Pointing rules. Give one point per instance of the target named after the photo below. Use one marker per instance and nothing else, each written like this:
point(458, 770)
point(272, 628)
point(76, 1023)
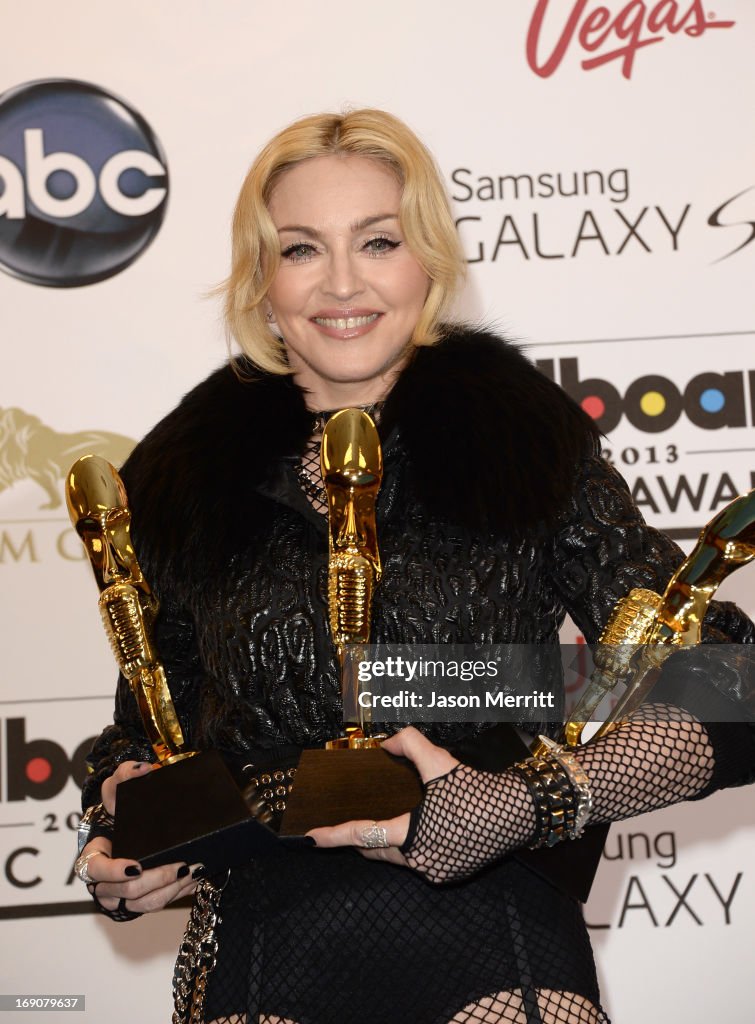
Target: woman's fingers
point(99, 848)
point(365, 834)
point(391, 855)
point(126, 770)
point(161, 897)
point(97, 864)
point(152, 890)
point(116, 882)
point(187, 889)
point(431, 761)
point(122, 884)
point(359, 833)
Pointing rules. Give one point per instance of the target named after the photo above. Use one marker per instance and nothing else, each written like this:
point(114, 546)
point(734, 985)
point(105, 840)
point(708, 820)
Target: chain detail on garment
point(197, 955)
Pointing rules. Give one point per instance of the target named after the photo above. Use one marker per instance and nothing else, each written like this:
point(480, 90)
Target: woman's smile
point(345, 323)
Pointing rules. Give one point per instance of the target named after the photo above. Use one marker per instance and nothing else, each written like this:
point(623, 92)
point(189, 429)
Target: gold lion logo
point(31, 450)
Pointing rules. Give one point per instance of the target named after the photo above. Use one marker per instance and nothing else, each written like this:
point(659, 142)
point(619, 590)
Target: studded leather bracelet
point(560, 792)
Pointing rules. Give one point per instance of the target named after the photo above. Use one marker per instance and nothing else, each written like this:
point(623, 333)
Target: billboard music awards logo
point(38, 769)
point(602, 36)
point(659, 426)
point(83, 183)
point(38, 841)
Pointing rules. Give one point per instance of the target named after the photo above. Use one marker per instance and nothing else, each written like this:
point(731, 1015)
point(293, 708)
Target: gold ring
point(81, 865)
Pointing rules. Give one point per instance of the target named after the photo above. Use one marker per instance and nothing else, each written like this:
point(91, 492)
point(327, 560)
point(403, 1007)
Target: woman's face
point(349, 291)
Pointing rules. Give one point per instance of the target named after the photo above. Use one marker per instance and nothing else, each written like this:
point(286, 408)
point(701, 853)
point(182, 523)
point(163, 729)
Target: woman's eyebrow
point(359, 225)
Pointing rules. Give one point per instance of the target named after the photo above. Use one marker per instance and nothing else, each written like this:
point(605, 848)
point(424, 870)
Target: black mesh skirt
point(326, 936)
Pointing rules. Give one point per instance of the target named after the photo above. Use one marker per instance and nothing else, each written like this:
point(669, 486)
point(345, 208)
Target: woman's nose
point(344, 279)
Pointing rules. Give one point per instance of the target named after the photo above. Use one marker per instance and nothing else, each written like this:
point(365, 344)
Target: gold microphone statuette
point(650, 626)
point(98, 507)
point(352, 470)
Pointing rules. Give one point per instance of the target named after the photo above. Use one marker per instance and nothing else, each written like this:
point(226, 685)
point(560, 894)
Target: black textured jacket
point(496, 516)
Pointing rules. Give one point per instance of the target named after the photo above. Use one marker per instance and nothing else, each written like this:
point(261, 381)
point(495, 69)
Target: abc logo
point(83, 183)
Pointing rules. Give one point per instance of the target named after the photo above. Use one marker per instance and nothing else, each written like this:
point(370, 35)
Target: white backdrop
point(620, 269)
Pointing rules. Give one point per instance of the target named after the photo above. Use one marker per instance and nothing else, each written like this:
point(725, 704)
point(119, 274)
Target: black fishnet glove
point(467, 819)
point(470, 818)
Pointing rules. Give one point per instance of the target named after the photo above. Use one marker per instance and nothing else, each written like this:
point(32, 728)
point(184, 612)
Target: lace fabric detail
point(503, 946)
point(521, 1006)
point(308, 471)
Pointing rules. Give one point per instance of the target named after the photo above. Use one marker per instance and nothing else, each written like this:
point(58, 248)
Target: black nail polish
point(133, 870)
point(199, 872)
point(182, 871)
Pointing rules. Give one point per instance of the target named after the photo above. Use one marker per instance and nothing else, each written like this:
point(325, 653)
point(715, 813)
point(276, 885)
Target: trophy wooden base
point(340, 785)
point(191, 812)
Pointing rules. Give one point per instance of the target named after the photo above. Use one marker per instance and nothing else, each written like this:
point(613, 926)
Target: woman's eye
point(380, 244)
point(299, 252)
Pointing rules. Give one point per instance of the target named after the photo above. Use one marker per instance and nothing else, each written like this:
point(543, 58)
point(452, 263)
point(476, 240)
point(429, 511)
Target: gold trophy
point(190, 809)
point(352, 777)
point(645, 627)
point(352, 470)
point(98, 507)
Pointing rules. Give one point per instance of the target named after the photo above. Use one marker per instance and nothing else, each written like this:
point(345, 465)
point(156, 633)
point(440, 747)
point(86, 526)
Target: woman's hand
point(466, 819)
point(431, 762)
point(119, 886)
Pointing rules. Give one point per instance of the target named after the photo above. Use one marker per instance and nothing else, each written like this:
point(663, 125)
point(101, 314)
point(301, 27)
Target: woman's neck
point(320, 399)
point(326, 395)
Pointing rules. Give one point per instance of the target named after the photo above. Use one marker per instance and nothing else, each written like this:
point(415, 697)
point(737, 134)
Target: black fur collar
point(492, 443)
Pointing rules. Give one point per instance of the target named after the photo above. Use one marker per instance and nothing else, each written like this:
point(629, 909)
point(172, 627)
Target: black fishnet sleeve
point(660, 756)
point(125, 739)
point(470, 818)
point(466, 820)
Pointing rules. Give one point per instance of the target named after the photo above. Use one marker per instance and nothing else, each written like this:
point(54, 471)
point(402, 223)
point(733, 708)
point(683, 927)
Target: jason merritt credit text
point(412, 699)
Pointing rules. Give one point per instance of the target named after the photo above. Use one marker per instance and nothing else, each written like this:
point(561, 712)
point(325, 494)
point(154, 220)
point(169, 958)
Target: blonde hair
point(424, 216)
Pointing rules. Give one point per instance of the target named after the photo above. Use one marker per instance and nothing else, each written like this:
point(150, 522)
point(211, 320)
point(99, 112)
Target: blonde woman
point(496, 517)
